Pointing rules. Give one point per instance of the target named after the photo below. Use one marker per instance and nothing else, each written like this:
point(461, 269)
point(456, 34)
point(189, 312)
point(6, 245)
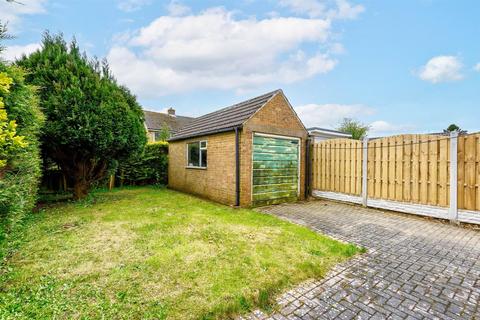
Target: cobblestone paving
point(414, 269)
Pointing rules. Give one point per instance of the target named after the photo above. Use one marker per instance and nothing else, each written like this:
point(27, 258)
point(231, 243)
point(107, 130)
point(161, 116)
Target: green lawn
point(152, 253)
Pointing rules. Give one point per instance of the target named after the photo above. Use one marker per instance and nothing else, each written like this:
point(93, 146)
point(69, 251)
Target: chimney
point(171, 111)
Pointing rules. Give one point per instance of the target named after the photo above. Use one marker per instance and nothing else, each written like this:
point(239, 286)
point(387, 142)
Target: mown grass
point(152, 253)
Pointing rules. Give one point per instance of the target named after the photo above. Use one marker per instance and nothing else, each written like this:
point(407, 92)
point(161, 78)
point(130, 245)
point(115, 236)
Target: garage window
point(197, 154)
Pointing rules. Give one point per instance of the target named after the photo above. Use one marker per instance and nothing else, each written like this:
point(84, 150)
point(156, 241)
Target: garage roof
point(225, 119)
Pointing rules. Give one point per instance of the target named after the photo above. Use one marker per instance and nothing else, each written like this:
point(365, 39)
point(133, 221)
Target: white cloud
point(132, 5)
point(477, 67)
point(319, 9)
point(329, 116)
point(176, 9)
point(11, 12)
point(312, 8)
point(214, 49)
point(13, 52)
point(442, 69)
point(347, 11)
point(337, 48)
point(385, 128)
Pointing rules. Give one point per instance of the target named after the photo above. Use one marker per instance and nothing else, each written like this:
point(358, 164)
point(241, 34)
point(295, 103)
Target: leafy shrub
point(10, 142)
point(20, 176)
point(91, 121)
point(150, 167)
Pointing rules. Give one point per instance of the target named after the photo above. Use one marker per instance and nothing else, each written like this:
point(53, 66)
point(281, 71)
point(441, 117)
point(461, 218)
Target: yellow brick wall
point(276, 117)
point(217, 182)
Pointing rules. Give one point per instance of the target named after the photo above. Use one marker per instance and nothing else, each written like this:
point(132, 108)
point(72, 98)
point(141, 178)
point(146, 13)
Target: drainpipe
point(237, 167)
point(308, 168)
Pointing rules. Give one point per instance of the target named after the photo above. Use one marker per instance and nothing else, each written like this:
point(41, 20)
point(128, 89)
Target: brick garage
point(251, 153)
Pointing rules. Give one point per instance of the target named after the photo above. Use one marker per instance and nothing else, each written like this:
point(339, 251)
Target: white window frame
point(154, 135)
point(151, 136)
point(200, 149)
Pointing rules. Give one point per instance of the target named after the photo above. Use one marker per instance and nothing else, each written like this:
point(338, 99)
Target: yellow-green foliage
point(160, 143)
point(20, 123)
point(9, 140)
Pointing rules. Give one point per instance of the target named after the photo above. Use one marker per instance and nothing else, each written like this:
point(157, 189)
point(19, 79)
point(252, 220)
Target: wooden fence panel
point(477, 183)
point(391, 168)
point(415, 169)
point(377, 151)
point(337, 166)
point(443, 173)
point(469, 172)
point(385, 143)
point(405, 168)
point(358, 169)
point(424, 170)
point(349, 173)
point(461, 172)
point(399, 182)
point(409, 168)
point(371, 172)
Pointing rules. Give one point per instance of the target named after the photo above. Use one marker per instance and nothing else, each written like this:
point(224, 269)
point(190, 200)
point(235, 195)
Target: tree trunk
point(84, 171)
point(64, 182)
point(111, 183)
point(81, 180)
point(80, 189)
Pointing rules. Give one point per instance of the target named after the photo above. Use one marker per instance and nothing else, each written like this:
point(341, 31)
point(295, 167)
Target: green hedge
point(19, 183)
point(150, 167)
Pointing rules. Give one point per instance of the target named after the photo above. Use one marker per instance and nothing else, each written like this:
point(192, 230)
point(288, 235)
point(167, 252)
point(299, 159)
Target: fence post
point(308, 168)
point(111, 182)
point(453, 211)
point(365, 172)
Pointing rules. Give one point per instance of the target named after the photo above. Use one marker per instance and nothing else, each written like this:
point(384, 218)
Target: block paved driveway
point(415, 268)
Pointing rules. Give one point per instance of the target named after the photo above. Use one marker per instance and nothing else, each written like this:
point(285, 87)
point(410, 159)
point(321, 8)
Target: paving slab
point(415, 268)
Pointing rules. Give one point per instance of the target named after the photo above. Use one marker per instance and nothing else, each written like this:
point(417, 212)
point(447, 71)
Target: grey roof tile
point(156, 120)
point(225, 119)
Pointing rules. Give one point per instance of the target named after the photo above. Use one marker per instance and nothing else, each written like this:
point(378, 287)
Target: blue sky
point(401, 66)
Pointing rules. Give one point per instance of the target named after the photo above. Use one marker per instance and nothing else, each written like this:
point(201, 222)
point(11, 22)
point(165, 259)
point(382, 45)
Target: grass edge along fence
point(433, 175)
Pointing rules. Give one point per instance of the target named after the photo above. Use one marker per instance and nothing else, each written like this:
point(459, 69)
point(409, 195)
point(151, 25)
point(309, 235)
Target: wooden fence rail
point(413, 169)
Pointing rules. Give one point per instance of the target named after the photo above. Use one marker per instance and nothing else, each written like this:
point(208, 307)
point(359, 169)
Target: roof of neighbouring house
point(156, 120)
point(225, 119)
point(328, 131)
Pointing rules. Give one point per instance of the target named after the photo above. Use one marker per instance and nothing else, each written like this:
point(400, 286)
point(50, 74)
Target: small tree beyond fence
point(418, 174)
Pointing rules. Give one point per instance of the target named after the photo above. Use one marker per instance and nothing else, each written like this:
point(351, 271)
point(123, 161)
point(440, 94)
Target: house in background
point(320, 134)
point(248, 154)
point(156, 121)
